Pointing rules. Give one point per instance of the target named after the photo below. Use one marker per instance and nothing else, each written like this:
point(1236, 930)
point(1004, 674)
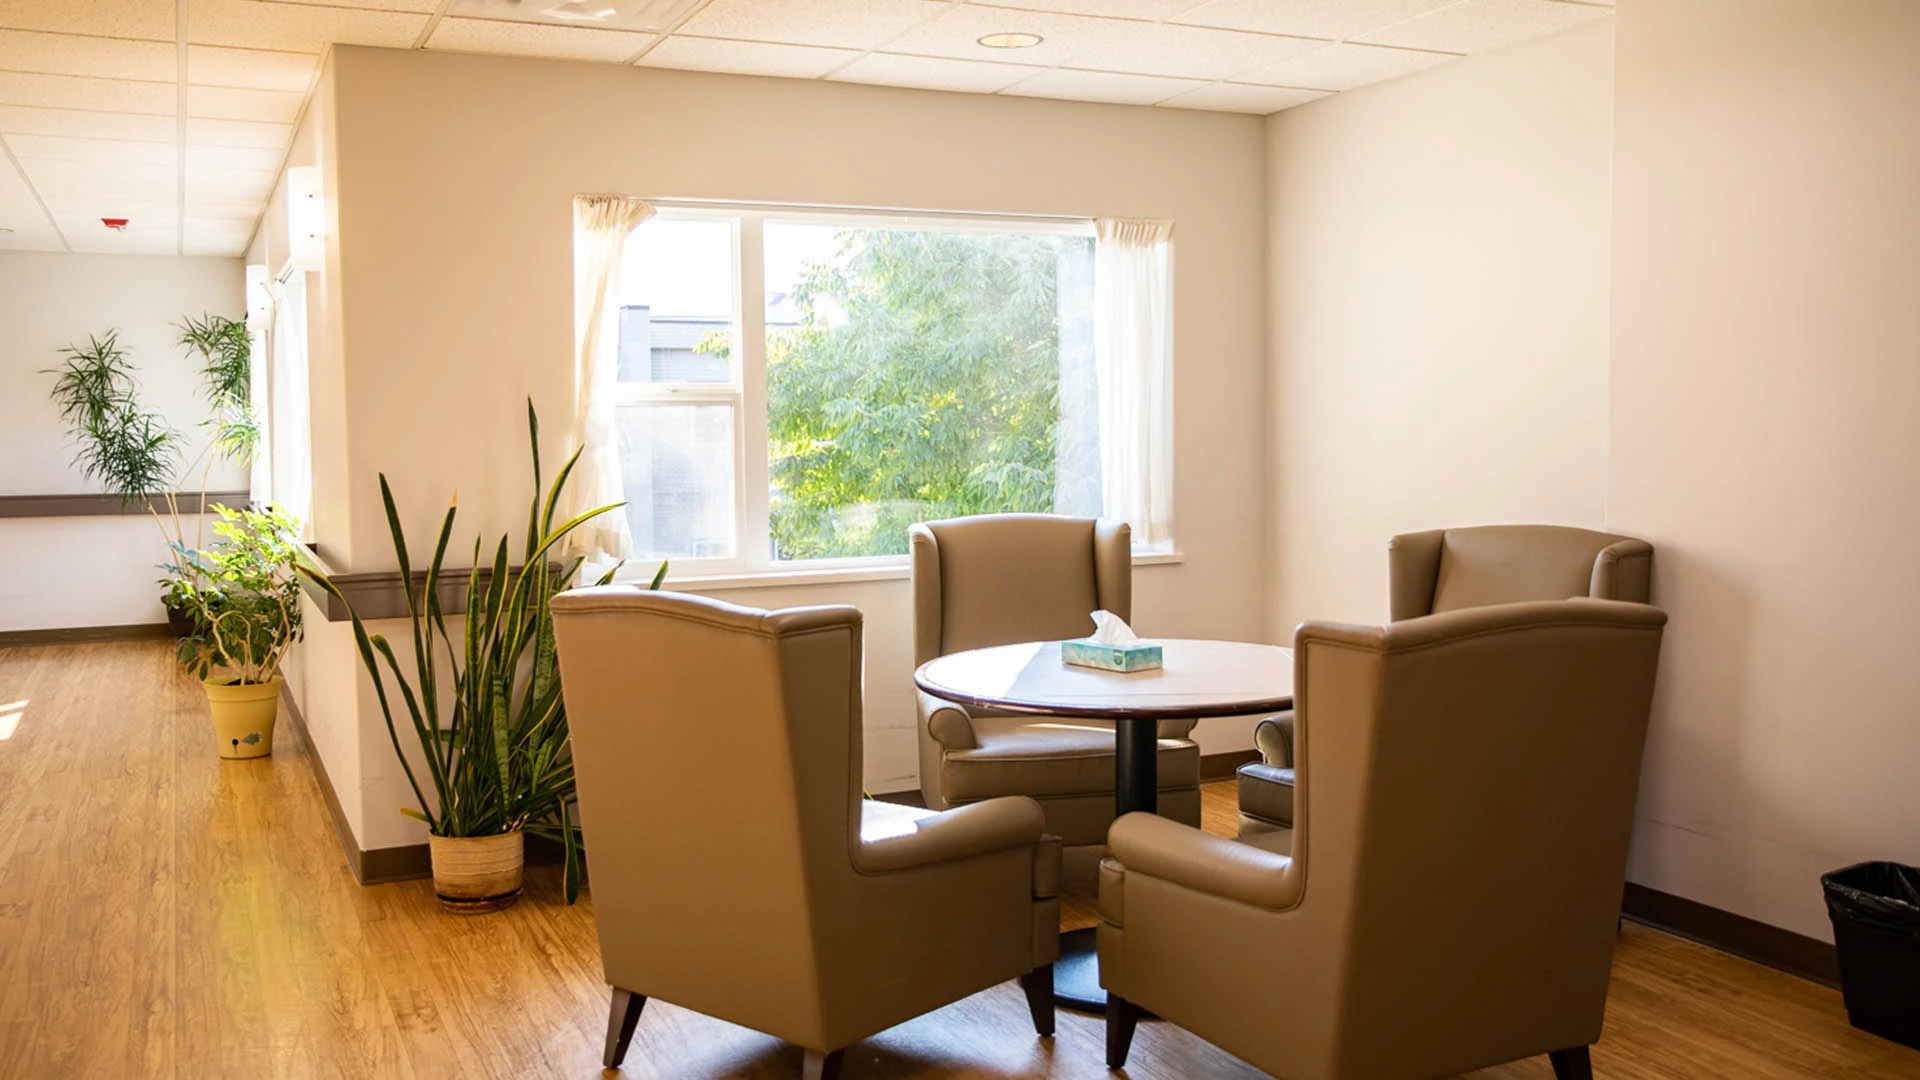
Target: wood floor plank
point(164, 913)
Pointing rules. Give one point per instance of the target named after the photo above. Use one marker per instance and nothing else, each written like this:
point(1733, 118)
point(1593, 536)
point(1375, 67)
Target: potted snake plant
point(494, 745)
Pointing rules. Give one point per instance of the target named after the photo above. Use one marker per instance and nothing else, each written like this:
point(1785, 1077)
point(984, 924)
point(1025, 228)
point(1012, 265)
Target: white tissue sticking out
point(1111, 629)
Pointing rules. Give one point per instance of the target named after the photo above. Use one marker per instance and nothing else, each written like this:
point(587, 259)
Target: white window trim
point(749, 566)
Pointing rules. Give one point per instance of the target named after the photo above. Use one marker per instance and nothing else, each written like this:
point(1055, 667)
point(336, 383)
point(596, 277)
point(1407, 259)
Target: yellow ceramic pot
point(243, 715)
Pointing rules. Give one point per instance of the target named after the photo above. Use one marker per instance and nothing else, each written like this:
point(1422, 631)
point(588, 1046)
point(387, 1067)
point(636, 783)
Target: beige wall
point(48, 301)
point(1438, 298)
point(452, 182)
point(1766, 374)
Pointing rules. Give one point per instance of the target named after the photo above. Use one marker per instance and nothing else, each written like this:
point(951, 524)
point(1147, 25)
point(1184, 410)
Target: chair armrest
point(1158, 847)
point(1274, 737)
point(951, 835)
point(949, 724)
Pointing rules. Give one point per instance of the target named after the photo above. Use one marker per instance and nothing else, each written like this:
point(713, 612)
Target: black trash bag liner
point(1875, 908)
point(1882, 895)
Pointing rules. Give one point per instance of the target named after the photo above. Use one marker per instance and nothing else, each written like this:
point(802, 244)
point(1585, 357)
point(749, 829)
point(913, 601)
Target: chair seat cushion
point(1266, 792)
point(1046, 756)
point(1279, 841)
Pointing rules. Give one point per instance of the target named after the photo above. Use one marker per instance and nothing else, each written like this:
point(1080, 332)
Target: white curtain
point(601, 224)
point(289, 419)
point(259, 383)
point(1133, 355)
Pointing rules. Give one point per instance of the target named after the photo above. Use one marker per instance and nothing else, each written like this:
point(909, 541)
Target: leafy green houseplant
point(245, 604)
point(493, 742)
point(135, 454)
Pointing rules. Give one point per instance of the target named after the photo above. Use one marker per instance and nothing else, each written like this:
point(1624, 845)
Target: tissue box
point(1086, 652)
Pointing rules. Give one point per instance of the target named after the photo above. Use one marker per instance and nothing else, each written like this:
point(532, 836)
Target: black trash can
point(1875, 908)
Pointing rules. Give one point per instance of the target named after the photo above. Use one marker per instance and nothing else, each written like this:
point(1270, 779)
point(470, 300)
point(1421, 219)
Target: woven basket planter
point(475, 874)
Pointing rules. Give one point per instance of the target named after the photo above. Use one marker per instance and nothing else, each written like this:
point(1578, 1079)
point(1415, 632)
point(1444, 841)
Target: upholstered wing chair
point(1006, 578)
point(1446, 570)
point(1447, 897)
point(781, 900)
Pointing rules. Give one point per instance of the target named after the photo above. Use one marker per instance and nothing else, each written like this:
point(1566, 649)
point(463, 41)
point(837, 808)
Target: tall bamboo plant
point(494, 743)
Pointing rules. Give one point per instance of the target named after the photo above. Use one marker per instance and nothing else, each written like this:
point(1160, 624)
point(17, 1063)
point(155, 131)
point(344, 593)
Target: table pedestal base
point(1076, 975)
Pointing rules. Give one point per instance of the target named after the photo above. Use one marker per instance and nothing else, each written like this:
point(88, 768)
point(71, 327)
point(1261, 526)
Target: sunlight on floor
point(10, 715)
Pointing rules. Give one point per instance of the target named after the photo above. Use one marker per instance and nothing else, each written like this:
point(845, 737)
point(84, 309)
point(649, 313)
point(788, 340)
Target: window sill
point(897, 569)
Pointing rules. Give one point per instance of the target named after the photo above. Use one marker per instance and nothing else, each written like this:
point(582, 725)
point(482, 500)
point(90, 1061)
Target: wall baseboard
point(1224, 766)
point(1750, 939)
point(382, 866)
point(73, 635)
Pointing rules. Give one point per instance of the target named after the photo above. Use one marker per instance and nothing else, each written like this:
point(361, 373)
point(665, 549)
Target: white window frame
point(746, 394)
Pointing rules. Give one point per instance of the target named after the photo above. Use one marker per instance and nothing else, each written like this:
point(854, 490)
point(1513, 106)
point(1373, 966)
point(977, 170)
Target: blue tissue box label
point(1085, 652)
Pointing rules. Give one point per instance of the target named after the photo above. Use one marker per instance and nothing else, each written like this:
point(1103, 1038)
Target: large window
point(796, 386)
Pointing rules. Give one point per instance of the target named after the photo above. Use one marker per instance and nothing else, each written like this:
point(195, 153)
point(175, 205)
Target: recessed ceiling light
point(1012, 40)
point(581, 11)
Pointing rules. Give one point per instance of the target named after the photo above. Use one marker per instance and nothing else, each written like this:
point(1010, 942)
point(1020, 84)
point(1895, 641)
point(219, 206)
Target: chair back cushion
point(1007, 578)
point(1470, 798)
point(1503, 564)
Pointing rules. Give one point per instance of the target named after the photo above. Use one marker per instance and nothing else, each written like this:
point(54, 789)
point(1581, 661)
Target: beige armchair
point(1464, 802)
point(1006, 578)
point(1446, 570)
point(783, 901)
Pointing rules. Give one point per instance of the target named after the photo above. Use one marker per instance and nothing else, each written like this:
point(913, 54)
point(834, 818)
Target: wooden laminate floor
point(167, 914)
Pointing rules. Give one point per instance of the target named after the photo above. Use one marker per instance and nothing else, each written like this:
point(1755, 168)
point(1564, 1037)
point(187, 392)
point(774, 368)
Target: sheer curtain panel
point(1133, 355)
point(290, 417)
point(601, 225)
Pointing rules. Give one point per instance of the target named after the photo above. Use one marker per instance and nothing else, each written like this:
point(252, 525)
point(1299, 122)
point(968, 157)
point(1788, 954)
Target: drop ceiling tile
point(422, 7)
point(93, 125)
point(72, 54)
point(933, 73)
point(230, 241)
point(252, 69)
point(1102, 86)
point(99, 95)
point(957, 35)
point(1115, 9)
point(1343, 67)
point(254, 24)
point(32, 238)
point(156, 235)
point(238, 133)
point(1307, 18)
point(18, 208)
point(63, 181)
point(1478, 25)
point(646, 16)
point(100, 152)
point(746, 57)
point(1189, 51)
point(229, 185)
point(846, 24)
point(232, 103)
point(152, 20)
point(1239, 97)
point(243, 158)
point(531, 39)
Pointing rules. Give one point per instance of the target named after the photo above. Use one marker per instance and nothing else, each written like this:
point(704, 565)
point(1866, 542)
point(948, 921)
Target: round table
point(1196, 679)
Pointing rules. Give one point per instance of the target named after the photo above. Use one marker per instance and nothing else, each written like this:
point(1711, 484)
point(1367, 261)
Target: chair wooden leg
point(1038, 984)
point(621, 1020)
point(1122, 1017)
point(1574, 1064)
point(818, 1066)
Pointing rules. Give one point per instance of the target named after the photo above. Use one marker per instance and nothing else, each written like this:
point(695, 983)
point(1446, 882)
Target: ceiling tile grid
point(94, 122)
